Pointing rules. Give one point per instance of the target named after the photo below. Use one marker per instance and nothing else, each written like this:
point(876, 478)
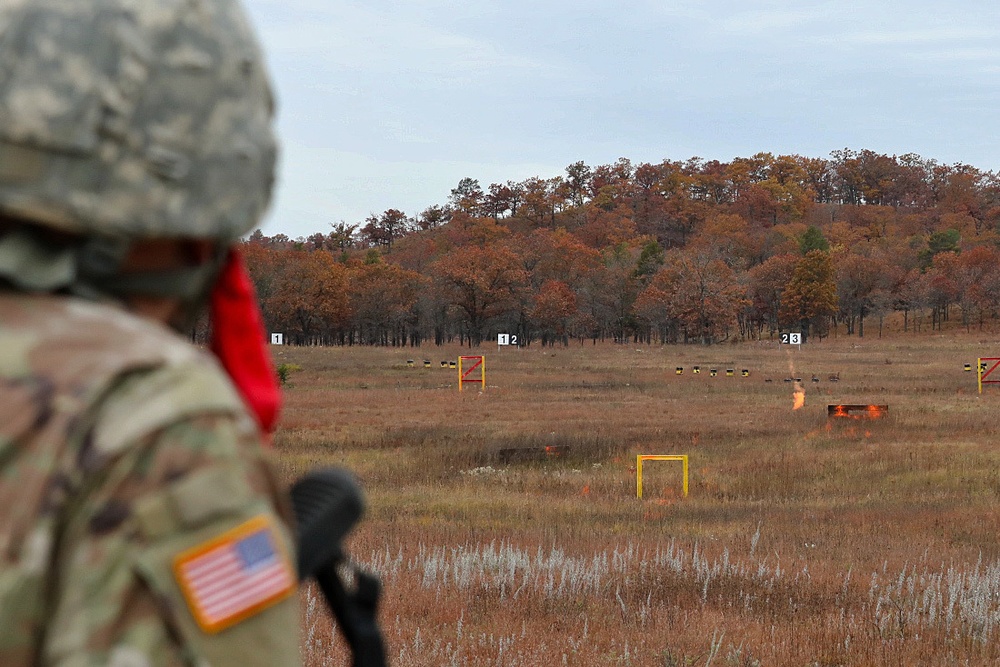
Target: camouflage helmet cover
point(134, 118)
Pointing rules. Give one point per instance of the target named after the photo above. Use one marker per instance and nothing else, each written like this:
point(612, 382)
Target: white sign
point(506, 339)
point(791, 338)
point(277, 339)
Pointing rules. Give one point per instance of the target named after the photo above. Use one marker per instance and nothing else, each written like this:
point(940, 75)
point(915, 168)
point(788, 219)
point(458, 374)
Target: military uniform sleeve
point(176, 549)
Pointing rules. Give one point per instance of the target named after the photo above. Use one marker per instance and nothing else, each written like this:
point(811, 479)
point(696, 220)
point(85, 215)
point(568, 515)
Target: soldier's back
point(123, 448)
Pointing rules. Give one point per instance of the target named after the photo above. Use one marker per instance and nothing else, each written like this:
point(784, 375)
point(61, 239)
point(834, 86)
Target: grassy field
point(803, 541)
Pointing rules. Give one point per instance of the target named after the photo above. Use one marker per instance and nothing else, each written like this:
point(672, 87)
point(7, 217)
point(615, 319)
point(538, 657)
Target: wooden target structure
point(467, 367)
point(985, 369)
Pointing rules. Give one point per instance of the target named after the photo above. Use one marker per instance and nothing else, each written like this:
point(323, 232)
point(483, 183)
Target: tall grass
point(804, 541)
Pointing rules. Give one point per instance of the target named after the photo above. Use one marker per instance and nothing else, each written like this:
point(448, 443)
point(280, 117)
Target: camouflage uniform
point(120, 447)
point(125, 453)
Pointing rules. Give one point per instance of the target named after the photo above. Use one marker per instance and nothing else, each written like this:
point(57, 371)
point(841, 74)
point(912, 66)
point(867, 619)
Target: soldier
point(140, 523)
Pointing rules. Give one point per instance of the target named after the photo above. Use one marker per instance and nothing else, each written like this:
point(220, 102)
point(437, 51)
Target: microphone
point(328, 503)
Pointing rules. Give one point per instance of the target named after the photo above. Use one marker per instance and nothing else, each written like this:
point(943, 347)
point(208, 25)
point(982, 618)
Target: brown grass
point(804, 541)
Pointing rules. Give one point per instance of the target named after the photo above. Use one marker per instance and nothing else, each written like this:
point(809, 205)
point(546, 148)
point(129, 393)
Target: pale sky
point(389, 104)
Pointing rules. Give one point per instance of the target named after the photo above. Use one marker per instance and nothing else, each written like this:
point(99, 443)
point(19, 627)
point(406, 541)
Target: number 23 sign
point(791, 338)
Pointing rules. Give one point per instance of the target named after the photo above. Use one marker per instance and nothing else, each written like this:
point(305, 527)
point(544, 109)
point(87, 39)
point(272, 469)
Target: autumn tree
point(262, 265)
point(554, 307)
point(616, 291)
point(560, 256)
point(433, 217)
point(757, 204)
point(342, 236)
point(706, 295)
point(416, 252)
point(539, 200)
point(647, 206)
point(817, 177)
point(467, 196)
point(384, 229)
point(611, 184)
point(308, 296)
point(483, 282)
point(912, 297)
point(654, 306)
point(904, 232)
point(810, 298)
point(977, 274)
point(465, 230)
point(710, 182)
point(502, 199)
point(679, 211)
point(577, 182)
point(864, 287)
point(727, 236)
point(766, 284)
point(943, 288)
point(382, 298)
point(848, 184)
point(608, 228)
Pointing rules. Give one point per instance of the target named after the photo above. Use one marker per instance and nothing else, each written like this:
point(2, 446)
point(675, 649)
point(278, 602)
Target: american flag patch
point(233, 576)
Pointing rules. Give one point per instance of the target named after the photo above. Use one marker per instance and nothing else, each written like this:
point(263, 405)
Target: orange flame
point(875, 411)
point(798, 397)
point(858, 411)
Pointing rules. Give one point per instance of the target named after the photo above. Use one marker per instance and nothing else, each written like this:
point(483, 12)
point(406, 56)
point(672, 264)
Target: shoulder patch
point(233, 576)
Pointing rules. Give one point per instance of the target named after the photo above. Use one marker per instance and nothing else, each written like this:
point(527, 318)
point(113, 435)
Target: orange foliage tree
point(705, 296)
point(482, 282)
point(810, 298)
point(382, 298)
point(554, 307)
point(309, 297)
point(572, 255)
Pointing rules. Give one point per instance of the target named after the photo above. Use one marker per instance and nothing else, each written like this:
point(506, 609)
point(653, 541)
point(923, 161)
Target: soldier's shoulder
point(146, 401)
point(67, 335)
point(142, 375)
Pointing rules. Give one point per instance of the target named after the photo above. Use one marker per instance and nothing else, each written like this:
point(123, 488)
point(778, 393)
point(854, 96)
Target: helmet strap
point(30, 264)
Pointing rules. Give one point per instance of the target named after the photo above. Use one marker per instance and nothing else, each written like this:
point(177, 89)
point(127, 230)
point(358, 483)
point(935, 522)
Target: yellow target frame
point(982, 372)
point(658, 457)
point(463, 375)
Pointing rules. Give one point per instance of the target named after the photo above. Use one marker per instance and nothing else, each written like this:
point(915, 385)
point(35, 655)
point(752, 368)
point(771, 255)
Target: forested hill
point(681, 251)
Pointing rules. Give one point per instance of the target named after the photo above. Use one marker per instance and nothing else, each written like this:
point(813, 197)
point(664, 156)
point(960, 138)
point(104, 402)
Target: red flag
point(238, 340)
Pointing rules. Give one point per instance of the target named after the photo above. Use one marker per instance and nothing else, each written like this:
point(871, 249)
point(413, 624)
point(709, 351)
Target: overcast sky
point(389, 104)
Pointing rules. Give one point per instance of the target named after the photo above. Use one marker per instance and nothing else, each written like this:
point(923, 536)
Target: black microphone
point(328, 503)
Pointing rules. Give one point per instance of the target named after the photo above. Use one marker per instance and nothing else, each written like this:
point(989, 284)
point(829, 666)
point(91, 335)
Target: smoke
point(799, 393)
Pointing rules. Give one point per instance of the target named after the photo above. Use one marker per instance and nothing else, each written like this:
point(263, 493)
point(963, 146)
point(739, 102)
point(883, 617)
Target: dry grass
point(803, 541)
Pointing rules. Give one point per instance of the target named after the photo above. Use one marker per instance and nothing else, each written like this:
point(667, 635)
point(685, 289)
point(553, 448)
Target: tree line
point(675, 252)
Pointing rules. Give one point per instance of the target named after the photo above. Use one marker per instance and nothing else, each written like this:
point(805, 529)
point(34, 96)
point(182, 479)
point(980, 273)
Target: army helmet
point(134, 119)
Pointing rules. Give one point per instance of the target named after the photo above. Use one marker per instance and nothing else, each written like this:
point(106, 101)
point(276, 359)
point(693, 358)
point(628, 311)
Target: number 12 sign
point(506, 339)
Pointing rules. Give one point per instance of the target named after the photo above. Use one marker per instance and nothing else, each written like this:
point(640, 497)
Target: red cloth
point(238, 340)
